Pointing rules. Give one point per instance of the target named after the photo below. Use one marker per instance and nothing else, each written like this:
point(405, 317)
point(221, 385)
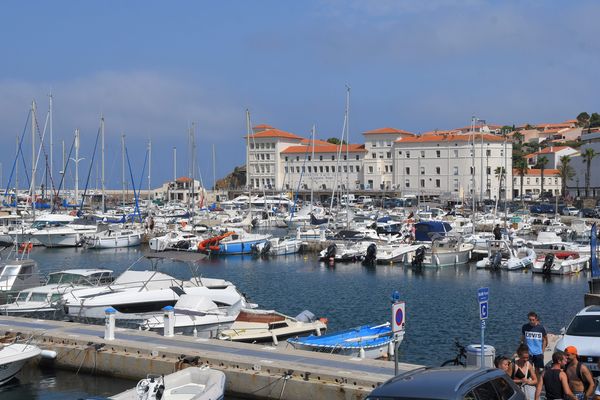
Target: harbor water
point(441, 304)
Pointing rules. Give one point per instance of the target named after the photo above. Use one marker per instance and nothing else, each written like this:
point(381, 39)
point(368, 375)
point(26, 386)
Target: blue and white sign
point(398, 316)
point(483, 294)
point(483, 310)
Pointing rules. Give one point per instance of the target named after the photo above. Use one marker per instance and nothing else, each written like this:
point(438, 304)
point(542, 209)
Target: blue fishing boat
point(373, 340)
point(238, 242)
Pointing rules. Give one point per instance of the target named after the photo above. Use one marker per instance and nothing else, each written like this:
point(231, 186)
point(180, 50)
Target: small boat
point(114, 238)
point(395, 253)
point(560, 263)
point(279, 247)
point(444, 251)
point(17, 275)
point(13, 357)
point(501, 255)
point(193, 383)
point(174, 240)
point(238, 242)
point(370, 340)
point(256, 326)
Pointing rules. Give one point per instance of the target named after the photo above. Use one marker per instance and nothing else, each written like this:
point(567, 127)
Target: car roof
point(448, 381)
point(590, 310)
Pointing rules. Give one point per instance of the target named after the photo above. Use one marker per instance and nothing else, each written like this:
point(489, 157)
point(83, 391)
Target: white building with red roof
point(553, 154)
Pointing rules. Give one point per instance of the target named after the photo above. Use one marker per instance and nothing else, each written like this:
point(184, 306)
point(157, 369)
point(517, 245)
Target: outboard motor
point(496, 260)
point(330, 252)
point(266, 248)
point(419, 257)
point(371, 255)
point(182, 245)
point(548, 261)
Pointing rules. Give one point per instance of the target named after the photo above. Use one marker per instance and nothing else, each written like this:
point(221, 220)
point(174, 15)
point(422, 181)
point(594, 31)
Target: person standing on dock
point(533, 334)
point(554, 380)
point(581, 381)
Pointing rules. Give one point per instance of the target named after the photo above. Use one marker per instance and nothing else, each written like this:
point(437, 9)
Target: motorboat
point(139, 295)
point(279, 246)
point(69, 235)
point(271, 326)
point(174, 240)
point(111, 238)
point(345, 251)
point(444, 251)
point(395, 253)
point(47, 299)
point(13, 357)
point(17, 275)
point(192, 383)
point(366, 341)
point(560, 263)
point(196, 315)
point(238, 242)
point(545, 240)
point(502, 255)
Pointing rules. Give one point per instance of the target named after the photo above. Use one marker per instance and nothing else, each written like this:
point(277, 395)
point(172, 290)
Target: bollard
point(391, 349)
point(109, 325)
point(361, 353)
point(168, 321)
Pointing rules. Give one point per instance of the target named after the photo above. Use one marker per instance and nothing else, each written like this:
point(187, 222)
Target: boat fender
point(48, 354)
point(361, 353)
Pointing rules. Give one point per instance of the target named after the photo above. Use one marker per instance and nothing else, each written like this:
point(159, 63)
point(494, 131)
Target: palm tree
point(541, 163)
point(500, 175)
point(566, 172)
point(518, 136)
point(587, 158)
point(522, 168)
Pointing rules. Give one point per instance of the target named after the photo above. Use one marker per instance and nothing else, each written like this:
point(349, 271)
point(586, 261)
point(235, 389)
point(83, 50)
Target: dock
point(253, 371)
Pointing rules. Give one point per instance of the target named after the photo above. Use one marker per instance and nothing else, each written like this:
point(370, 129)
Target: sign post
point(483, 296)
point(398, 324)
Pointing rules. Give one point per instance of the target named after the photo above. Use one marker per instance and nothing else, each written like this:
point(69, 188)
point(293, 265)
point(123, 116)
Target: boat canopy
point(425, 230)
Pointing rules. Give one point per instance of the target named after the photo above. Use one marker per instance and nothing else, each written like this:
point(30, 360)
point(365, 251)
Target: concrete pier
point(252, 371)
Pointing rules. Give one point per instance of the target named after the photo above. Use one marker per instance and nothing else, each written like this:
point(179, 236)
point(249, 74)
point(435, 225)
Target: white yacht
point(48, 298)
point(17, 275)
point(112, 238)
point(64, 235)
point(13, 357)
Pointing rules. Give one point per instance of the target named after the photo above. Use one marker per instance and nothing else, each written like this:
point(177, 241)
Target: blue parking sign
point(483, 310)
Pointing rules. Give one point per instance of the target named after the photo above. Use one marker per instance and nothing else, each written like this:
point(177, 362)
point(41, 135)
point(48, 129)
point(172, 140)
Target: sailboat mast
point(312, 184)
point(102, 182)
point(33, 125)
point(77, 159)
point(174, 164)
point(347, 154)
point(51, 148)
point(149, 168)
point(123, 169)
point(17, 174)
point(214, 168)
point(193, 162)
point(248, 157)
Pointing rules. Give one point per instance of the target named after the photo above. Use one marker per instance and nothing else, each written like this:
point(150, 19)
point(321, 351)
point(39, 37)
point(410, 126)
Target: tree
point(587, 157)
point(583, 119)
point(566, 172)
point(518, 136)
point(500, 173)
point(522, 169)
point(335, 141)
point(594, 120)
point(541, 164)
point(507, 129)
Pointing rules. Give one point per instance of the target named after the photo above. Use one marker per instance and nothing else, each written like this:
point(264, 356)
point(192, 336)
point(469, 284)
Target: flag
point(594, 256)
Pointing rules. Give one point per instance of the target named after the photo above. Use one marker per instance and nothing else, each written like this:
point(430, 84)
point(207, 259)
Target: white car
point(584, 333)
point(570, 211)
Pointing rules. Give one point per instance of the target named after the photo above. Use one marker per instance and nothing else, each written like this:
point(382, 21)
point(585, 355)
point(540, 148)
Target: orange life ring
point(25, 247)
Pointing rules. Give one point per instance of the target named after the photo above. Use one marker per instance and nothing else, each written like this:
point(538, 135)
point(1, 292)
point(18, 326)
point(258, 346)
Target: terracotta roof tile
point(183, 179)
point(330, 148)
point(316, 142)
point(388, 130)
point(274, 133)
point(262, 126)
point(537, 172)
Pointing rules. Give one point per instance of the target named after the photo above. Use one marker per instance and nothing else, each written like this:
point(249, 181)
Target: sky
point(152, 68)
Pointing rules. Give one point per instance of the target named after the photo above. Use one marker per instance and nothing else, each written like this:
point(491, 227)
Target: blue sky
point(154, 67)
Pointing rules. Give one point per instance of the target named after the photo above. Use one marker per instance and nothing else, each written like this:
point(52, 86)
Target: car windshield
point(585, 325)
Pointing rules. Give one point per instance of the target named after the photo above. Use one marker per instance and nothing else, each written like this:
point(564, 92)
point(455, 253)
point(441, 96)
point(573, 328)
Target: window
point(438, 153)
point(438, 183)
point(391, 168)
point(386, 169)
point(352, 168)
point(422, 153)
point(486, 391)
point(437, 170)
point(400, 153)
point(408, 154)
point(455, 153)
point(268, 156)
point(309, 168)
point(489, 170)
point(333, 168)
point(407, 170)
point(503, 387)
point(370, 169)
point(298, 170)
point(345, 168)
point(345, 157)
point(373, 155)
point(456, 185)
point(251, 145)
point(407, 183)
point(309, 158)
point(262, 156)
point(262, 145)
point(303, 169)
point(422, 170)
point(537, 180)
point(380, 155)
point(332, 158)
point(321, 169)
point(389, 154)
point(286, 158)
point(488, 153)
point(326, 168)
point(422, 183)
point(320, 158)
point(297, 158)
point(472, 170)
point(389, 144)
point(357, 168)
point(455, 170)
